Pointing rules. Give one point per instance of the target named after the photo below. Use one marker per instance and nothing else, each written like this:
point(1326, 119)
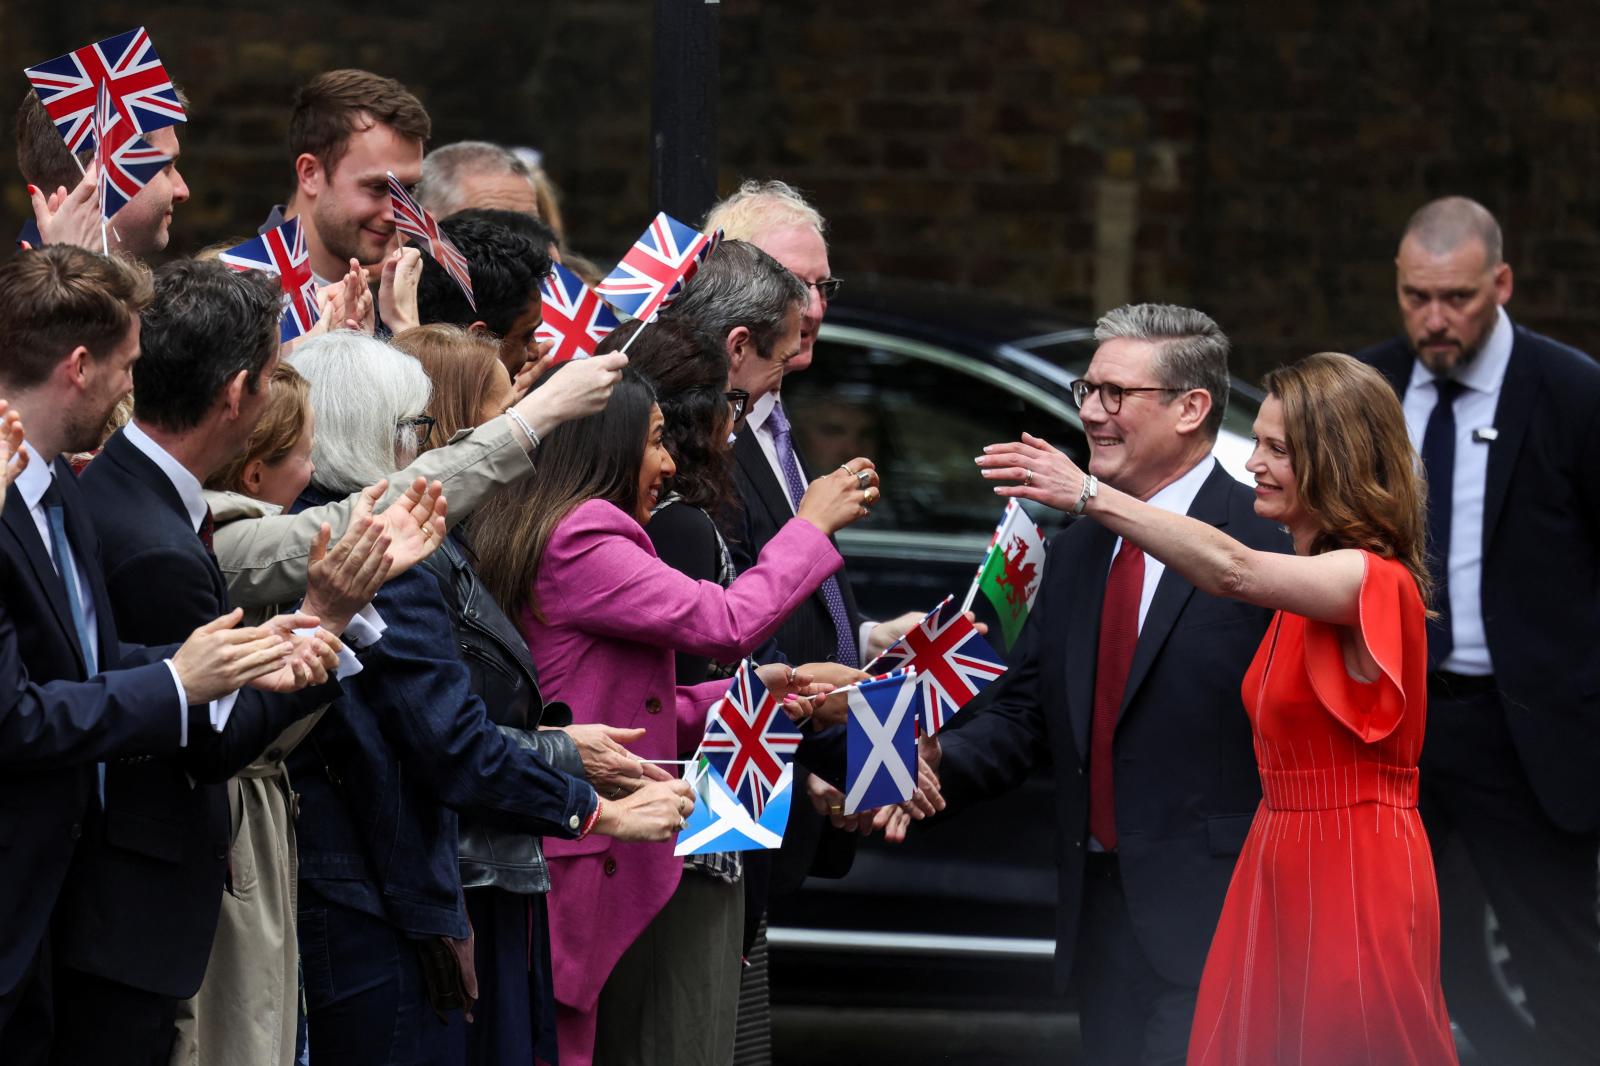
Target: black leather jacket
point(503, 676)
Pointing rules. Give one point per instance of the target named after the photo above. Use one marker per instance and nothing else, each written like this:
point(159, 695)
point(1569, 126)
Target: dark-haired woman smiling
point(568, 555)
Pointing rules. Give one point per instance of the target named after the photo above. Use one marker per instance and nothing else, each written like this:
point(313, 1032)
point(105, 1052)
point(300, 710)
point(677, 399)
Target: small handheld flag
point(719, 822)
point(881, 743)
point(749, 739)
point(127, 162)
point(953, 662)
point(1012, 571)
point(282, 251)
point(656, 268)
point(415, 222)
point(141, 89)
point(575, 318)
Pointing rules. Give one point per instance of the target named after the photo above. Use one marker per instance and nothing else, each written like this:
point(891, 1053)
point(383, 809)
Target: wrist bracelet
point(1091, 488)
point(594, 816)
point(516, 416)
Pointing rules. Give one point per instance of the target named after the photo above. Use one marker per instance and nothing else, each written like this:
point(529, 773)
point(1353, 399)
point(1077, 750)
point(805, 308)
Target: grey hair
point(361, 389)
point(440, 188)
point(1446, 224)
point(1192, 350)
point(740, 285)
point(757, 207)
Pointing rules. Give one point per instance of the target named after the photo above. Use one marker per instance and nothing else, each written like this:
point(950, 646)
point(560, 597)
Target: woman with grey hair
point(383, 930)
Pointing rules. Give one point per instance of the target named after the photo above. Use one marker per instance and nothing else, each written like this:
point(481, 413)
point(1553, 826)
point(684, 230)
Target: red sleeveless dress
point(1327, 952)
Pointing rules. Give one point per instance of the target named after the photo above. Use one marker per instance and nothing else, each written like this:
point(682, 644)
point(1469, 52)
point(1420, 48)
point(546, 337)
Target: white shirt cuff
point(366, 628)
point(219, 709)
point(863, 639)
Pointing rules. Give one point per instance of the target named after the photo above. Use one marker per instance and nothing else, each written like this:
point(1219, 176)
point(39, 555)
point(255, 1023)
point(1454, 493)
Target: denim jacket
point(502, 674)
point(408, 746)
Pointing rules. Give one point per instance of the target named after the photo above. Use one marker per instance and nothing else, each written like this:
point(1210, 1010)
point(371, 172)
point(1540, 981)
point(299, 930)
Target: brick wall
point(1256, 160)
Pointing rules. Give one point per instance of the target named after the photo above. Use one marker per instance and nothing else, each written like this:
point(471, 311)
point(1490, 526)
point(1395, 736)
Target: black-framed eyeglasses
point(827, 288)
point(423, 424)
point(1110, 395)
point(738, 401)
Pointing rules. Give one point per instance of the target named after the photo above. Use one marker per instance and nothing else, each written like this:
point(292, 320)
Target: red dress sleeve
point(1394, 626)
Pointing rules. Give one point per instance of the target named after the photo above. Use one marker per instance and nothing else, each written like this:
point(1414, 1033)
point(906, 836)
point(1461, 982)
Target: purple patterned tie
point(831, 595)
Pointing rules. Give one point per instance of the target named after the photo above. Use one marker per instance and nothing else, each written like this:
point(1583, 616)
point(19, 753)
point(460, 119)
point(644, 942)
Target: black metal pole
point(683, 108)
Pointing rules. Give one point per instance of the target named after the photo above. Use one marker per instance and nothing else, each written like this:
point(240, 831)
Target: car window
point(922, 414)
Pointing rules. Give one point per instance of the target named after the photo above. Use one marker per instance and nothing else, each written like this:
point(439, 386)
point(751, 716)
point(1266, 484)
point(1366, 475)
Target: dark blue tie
point(831, 594)
point(1439, 462)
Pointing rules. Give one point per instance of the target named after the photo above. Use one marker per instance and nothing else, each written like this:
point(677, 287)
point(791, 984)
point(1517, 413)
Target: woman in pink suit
point(568, 556)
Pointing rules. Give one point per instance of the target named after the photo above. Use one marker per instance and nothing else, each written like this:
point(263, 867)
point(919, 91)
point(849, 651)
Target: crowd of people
point(344, 682)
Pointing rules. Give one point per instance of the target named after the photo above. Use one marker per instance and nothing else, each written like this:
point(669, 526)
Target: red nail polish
point(32, 191)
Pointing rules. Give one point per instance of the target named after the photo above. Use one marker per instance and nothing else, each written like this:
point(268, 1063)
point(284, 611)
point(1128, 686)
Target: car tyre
point(1485, 999)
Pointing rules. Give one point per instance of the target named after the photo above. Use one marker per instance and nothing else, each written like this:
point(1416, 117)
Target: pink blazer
point(615, 614)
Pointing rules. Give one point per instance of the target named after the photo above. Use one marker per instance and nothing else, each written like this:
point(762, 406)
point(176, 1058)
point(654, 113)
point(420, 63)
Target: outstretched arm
point(1325, 587)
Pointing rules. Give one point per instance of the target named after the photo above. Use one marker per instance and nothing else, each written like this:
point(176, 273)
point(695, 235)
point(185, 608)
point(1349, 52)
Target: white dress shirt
point(33, 483)
point(1175, 498)
point(1474, 410)
point(757, 422)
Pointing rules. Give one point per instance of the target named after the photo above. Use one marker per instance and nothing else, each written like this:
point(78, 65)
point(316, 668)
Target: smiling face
point(349, 207)
point(1139, 449)
point(1449, 300)
point(654, 471)
point(1277, 492)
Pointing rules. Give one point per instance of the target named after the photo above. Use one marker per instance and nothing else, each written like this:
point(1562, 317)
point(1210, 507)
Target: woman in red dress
point(1327, 951)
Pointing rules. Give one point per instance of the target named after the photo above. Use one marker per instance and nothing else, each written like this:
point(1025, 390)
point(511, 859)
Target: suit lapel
point(1087, 575)
point(1511, 418)
point(19, 521)
point(753, 461)
point(1395, 366)
point(1173, 590)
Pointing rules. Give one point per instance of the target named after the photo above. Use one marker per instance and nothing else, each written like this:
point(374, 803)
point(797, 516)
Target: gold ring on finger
point(846, 468)
point(1027, 476)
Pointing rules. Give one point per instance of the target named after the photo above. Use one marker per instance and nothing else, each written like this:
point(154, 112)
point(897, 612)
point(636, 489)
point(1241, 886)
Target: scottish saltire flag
point(720, 822)
point(141, 90)
point(127, 162)
point(282, 251)
point(953, 662)
point(575, 319)
point(655, 269)
point(881, 742)
point(749, 739)
point(415, 222)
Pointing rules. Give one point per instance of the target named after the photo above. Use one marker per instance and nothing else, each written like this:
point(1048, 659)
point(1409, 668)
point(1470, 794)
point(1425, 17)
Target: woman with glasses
point(1328, 945)
point(407, 748)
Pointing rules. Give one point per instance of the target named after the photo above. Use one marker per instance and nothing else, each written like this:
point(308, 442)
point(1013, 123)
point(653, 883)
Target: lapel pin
point(1485, 435)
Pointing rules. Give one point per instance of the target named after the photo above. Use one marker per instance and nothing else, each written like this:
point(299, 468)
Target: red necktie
point(208, 527)
point(1119, 635)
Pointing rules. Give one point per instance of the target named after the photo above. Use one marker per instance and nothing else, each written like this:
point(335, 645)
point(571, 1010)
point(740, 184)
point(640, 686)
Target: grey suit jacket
point(264, 560)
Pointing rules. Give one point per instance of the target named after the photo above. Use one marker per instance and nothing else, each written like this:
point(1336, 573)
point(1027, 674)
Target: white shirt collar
point(761, 408)
point(190, 491)
point(1178, 496)
point(1486, 372)
point(35, 480)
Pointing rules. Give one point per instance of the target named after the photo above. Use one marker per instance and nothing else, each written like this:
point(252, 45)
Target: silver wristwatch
point(1091, 489)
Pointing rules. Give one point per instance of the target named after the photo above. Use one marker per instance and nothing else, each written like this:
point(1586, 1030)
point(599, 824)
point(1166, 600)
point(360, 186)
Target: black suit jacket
point(54, 724)
point(141, 902)
point(1540, 589)
point(810, 844)
point(1186, 780)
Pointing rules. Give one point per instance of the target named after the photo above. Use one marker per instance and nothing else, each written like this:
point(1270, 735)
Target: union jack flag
point(412, 219)
point(656, 268)
point(282, 251)
point(953, 662)
point(574, 317)
point(140, 87)
point(127, 161)
point(749, 739)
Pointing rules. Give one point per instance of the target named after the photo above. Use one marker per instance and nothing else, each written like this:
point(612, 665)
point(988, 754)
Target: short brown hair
point(282, 424)
point(463, 368)
point(1354, 465)
point(333, 105)
point(42, 155)
point(53, 299)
